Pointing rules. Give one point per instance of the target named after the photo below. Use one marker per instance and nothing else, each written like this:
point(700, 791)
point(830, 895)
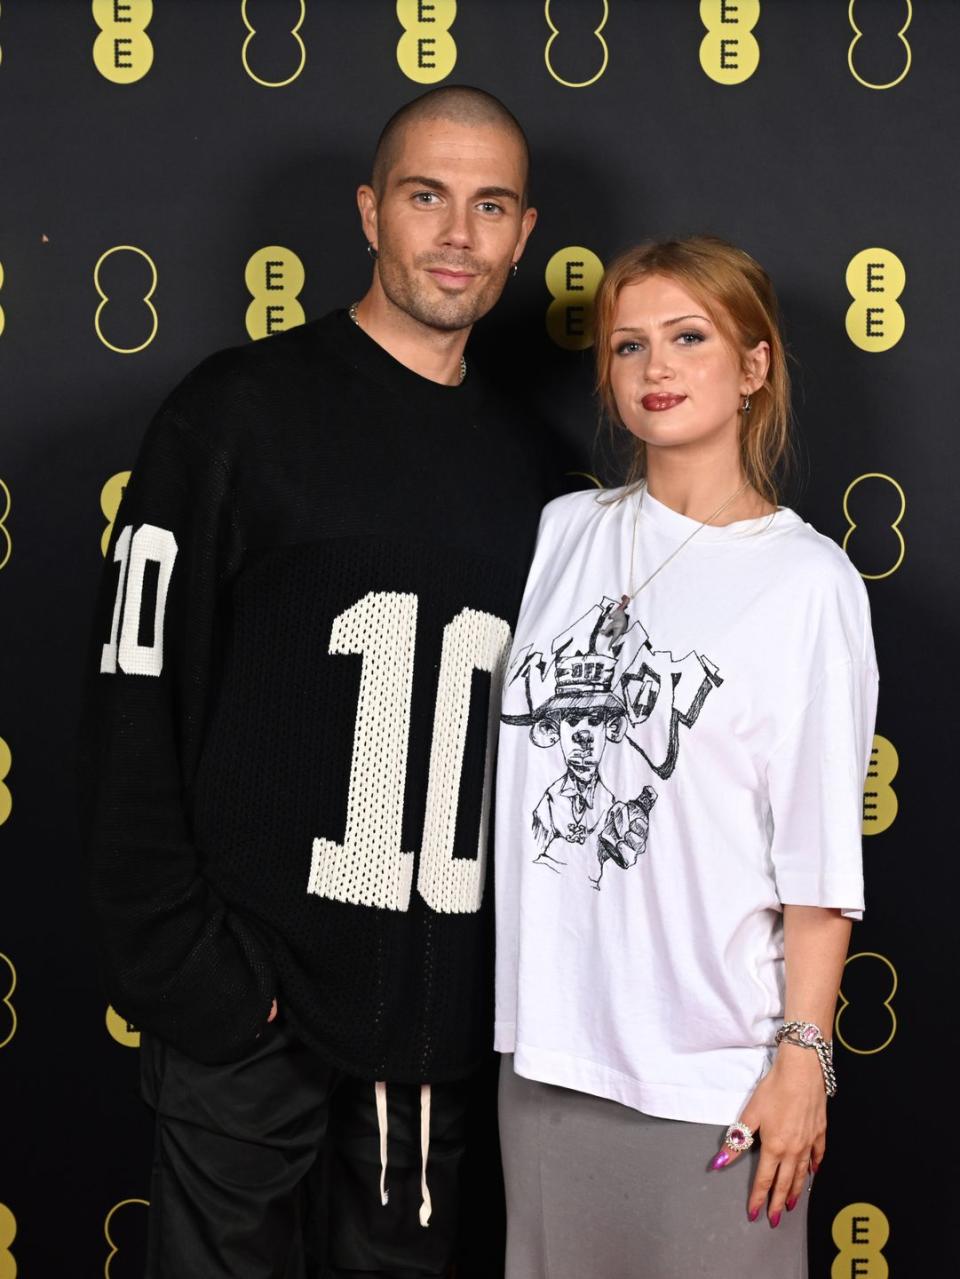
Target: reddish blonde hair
point(740, 300)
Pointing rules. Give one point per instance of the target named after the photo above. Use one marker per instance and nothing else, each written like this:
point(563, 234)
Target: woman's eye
point(692, 338)
point(627, 348)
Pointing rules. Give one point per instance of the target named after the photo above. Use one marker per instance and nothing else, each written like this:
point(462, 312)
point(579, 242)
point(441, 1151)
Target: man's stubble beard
point(408, 290)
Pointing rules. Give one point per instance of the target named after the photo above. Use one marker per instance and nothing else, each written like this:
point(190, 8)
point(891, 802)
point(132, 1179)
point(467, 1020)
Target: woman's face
point(675, 377)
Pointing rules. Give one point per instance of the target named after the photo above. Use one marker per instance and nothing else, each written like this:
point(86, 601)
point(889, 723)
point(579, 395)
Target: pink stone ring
point(739, 1137)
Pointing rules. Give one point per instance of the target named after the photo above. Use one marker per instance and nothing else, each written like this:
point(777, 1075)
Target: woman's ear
point(756, 365)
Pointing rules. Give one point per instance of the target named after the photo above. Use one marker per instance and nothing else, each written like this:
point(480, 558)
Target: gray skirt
point(596, 1190)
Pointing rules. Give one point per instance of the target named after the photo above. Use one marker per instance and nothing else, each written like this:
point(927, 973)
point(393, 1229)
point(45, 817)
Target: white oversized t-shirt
point(662, 791)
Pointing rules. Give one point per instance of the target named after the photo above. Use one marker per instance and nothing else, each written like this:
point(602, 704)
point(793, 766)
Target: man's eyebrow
point(502, 193)
point(417, 180)
point(628, 328)
point(434, 184)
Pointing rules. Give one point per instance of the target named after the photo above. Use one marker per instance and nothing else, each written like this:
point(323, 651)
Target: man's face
point(583, 737)
point(448, 223)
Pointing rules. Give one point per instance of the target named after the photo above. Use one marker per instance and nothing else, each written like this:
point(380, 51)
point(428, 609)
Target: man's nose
point(583, 738)
point(457, 229)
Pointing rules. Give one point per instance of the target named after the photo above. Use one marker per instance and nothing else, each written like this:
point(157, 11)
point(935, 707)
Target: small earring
point(372, 251)
point(745, 406)
point(514, 271)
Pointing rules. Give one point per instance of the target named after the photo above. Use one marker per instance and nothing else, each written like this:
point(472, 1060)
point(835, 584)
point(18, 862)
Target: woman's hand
point(788, 1114)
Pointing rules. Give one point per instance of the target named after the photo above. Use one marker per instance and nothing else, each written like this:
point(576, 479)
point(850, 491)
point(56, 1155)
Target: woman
point(687, 721)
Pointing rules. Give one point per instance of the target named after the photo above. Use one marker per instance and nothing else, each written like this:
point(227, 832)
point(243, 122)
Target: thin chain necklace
point(352, 312)
point(616, 622)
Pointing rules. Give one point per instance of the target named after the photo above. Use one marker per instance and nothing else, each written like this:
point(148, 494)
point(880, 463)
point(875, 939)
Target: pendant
point(616, 622)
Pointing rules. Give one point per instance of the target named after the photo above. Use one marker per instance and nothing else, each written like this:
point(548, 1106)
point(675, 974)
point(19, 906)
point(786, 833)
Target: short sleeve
point(815, 780)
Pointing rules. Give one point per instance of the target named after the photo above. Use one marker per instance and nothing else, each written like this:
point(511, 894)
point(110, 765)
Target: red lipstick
point(659, 401)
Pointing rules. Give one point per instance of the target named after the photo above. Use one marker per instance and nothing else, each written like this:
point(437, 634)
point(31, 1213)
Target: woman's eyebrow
point(629, 328)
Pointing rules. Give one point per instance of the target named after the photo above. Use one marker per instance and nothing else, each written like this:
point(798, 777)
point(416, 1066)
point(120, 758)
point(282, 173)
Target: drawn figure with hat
point(602, 683)
point(578, 818)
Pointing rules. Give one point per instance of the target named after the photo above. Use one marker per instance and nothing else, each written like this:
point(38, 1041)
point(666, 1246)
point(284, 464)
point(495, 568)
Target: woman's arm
point(815, 941)
point(788, 1108)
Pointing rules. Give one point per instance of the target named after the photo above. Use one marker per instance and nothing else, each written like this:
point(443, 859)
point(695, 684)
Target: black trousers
point(269, 1168)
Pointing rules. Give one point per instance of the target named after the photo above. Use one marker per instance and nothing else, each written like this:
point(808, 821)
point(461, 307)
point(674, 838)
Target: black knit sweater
point(287, 739)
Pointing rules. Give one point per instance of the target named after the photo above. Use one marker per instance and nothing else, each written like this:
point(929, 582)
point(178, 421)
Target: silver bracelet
point(806, 1034)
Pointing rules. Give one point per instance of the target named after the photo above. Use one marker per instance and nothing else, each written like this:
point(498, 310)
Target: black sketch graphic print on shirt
point(599, 686)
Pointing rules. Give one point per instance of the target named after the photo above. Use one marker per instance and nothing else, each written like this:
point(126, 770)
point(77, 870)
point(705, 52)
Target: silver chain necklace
point(616, 622)
point(352, 312)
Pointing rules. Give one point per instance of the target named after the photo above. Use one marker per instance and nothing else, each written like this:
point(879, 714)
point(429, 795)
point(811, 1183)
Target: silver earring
point(745, 406)
point(514, 271)
point(372, 251)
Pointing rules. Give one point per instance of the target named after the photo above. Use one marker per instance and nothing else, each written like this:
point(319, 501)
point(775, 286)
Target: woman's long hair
point(739, 298)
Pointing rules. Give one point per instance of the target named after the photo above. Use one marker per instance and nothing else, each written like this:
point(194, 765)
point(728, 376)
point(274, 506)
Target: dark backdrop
point(179, 152)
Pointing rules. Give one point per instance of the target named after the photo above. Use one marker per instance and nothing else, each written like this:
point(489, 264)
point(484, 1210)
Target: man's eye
point(488, 206)
point(425, 197)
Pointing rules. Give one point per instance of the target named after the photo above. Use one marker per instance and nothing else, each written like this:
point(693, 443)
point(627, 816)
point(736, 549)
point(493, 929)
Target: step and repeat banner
point(179, 176)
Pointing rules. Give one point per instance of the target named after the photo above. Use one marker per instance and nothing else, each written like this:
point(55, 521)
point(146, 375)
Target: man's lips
point(656, 403)
point(447, 275)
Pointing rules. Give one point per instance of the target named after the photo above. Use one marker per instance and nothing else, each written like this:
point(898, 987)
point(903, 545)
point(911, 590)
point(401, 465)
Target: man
point(288, 746)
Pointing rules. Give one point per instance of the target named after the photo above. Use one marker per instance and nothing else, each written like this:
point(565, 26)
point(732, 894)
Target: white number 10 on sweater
point(370, 867)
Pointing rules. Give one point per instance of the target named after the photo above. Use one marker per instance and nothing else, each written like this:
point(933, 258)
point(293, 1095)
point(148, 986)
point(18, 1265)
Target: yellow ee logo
point(6, 799)
point(860, 991)
point(126, 266)
point(875, 319)
point(880, 803)
point(118, 1222)
point(426, 52)
point(573, 276)
point(294, 31)
point(8, 1232)
point(852, 14)
point(123, 52)
point(860, 1232)
point(8, 1014)
point(121, 1030)
point(602, 52)
point(6, 541)
point(729, 52)
point(875, 505)
point(273, 276)
point(110, 496)
point(2, 317)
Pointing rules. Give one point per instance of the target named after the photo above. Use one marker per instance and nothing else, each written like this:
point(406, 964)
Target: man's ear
point(616, 726)
point(367, 204)
point(545, 732)
point(527, 222)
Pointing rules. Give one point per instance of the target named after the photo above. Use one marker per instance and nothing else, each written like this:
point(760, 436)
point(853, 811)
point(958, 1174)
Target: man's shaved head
point(460, 104)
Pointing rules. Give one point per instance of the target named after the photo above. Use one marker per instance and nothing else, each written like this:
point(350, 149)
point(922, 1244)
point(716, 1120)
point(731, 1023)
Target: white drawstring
point(381, 1091)
point(426, 1203)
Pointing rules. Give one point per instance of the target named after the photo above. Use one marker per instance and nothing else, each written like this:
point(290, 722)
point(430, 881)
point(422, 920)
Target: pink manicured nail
point(814, 1168)
point(720, 1159)
point(775, 1219)
point(791, 1203)
point(752, 1216)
